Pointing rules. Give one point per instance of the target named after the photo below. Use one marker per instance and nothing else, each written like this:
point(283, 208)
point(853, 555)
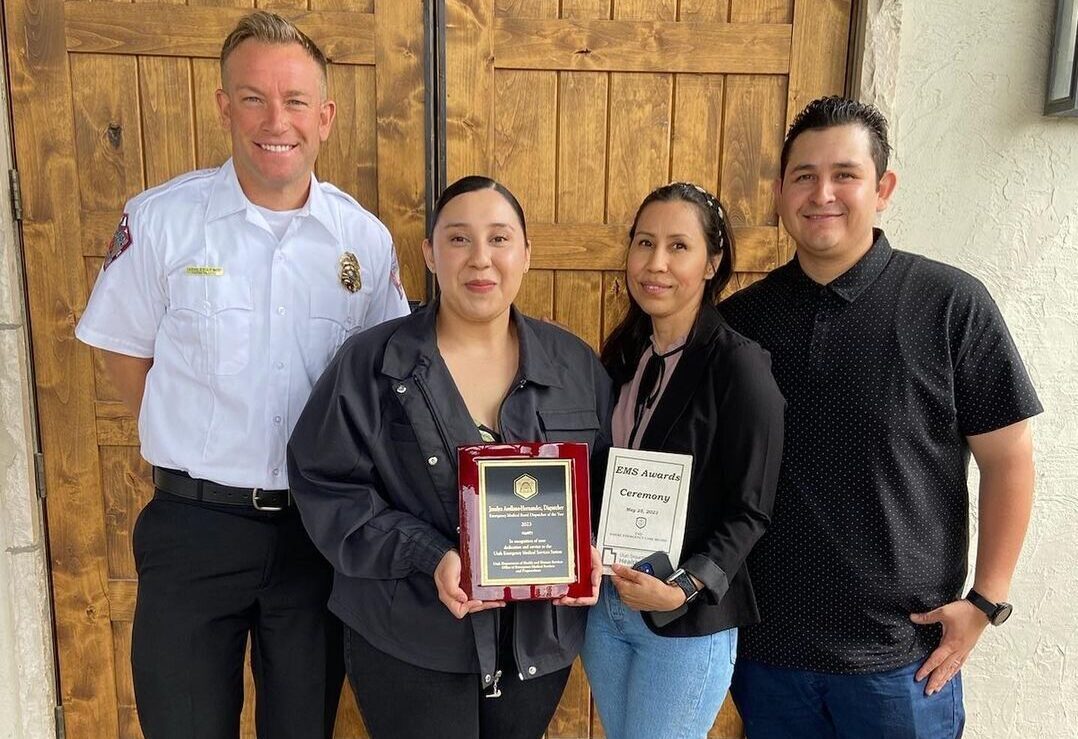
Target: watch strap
point(997, 613)
point(684, 580)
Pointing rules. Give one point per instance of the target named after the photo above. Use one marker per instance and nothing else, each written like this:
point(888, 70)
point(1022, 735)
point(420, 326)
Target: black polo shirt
point(885, 371)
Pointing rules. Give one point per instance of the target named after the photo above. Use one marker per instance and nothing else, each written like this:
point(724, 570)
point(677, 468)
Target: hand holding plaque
point(525, 525)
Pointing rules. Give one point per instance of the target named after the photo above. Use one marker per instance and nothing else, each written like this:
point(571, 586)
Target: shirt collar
point(415, 342)
point(853, 282)
point(227, 198)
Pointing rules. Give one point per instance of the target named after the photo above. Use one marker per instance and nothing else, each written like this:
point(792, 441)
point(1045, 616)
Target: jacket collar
point(227, 198)
point(686, 379)
point(415, 341)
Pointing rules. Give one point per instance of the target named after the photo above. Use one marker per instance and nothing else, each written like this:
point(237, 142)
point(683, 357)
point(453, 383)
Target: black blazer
point(723, 407)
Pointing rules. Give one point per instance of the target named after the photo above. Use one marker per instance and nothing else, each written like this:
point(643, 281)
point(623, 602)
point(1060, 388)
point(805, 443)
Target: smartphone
point(658, 565)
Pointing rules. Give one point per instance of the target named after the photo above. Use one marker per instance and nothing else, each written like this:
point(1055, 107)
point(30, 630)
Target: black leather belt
point(175, 482)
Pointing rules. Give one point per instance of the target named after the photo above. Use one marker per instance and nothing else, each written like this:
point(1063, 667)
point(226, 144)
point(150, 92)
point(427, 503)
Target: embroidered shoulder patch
point(395, 275)
point(121, 240)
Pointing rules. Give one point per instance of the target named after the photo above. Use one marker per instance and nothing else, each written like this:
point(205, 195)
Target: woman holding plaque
point(373, 468)
point(659, 652)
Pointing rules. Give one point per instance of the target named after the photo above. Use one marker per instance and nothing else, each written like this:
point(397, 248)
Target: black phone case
point(658, 565)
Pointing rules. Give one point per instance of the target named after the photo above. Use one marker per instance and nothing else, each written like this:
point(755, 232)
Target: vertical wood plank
point(354, 6)
point(615, 301)
point(108, 139)
point(281, 4)
point(728, 724)
point(761, 11)
point(348, 158)
point(536, 296)
point(126, 481)
point(698, 120)
point(125, 684)
point(586, 9)
point(817, 65)
point(399, 59)
point(645, 10)
point(639, 140)
point(469, 99)
point(526, 8)
point(582, 130)
point(167, 119)
point(212, 144)
point(705, 11)
point(43, 112)
point(525, 133)
point(578, 304)
point(103, 387)
point(752, 144)
point(573, 716)
point(223, 4)
point(596, 723)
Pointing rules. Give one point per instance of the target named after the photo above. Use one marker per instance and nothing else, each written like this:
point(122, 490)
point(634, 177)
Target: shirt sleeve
point(129, 298)
point(991, 386)
point(334, 480)
point(749, 447)
point(388, 300)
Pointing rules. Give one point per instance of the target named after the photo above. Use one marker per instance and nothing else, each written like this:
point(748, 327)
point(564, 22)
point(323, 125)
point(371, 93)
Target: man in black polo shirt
point(894, 368)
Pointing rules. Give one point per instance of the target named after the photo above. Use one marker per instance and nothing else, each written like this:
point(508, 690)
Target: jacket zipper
point(497, 647)
point(495, 692)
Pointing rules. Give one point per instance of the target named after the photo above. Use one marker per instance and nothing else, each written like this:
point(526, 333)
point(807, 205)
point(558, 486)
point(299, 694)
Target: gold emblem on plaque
point(525, 487)
point(349, 272)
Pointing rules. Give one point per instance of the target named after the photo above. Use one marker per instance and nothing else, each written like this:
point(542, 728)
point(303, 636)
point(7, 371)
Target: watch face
point(1003, 612)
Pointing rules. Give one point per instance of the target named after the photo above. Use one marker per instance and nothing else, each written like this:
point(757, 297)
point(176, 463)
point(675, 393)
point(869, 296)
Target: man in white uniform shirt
point(224, 294)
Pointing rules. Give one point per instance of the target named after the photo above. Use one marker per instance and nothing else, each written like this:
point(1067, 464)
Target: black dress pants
point(209, 576)
point(401, 701)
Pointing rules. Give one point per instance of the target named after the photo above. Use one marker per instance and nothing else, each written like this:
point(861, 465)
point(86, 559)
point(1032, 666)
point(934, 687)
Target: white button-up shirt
point(239, 324)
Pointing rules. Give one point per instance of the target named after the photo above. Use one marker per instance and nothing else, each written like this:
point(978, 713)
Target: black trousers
point(401, 701)
point(209, 576)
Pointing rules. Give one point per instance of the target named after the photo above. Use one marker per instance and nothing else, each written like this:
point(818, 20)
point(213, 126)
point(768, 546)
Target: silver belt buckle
point(259, 507)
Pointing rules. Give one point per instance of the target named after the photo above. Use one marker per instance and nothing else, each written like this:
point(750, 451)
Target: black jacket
point(723, 407)
point(373, 468)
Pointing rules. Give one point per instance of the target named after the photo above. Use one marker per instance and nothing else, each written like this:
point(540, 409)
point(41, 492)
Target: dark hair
point(623, 348)
point(471, 183)
point(834, 111)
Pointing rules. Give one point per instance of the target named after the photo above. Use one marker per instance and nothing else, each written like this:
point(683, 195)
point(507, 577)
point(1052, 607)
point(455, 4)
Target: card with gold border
point(525, 521)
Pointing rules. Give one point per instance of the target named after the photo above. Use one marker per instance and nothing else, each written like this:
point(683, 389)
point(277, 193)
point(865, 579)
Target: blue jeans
point(777, 703)
point(653, 687)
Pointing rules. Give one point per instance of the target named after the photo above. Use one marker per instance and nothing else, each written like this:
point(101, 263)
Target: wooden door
point(582, 107)
point(109, 99)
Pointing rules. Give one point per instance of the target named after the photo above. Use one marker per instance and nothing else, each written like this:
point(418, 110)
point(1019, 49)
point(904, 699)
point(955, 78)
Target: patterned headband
point(711, 201)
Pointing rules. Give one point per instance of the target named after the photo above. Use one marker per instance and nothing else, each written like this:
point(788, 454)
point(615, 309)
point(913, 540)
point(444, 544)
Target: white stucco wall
point(26, 663)
point(990, 185)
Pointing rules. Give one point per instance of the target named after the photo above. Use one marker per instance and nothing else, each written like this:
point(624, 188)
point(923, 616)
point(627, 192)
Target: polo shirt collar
point(853, 282)
point(227, 199)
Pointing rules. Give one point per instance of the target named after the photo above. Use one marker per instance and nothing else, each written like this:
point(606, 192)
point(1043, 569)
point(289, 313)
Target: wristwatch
point(997, 612)
point(684, 580)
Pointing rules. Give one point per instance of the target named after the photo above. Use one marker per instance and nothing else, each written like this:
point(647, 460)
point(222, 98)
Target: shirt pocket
point(209, 322)
point(569, 425)
point(335, 314)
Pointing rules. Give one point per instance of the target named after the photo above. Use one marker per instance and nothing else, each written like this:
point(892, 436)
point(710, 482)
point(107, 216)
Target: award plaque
point(525, 524)
point(645, 500)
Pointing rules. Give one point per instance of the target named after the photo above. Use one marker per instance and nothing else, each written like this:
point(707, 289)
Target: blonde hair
point(270, 28)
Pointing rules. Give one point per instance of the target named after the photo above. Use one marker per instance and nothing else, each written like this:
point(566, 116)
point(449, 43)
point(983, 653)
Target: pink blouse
point(624, 411)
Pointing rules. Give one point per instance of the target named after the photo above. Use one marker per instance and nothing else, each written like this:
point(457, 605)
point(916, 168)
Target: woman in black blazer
point(688, 384)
